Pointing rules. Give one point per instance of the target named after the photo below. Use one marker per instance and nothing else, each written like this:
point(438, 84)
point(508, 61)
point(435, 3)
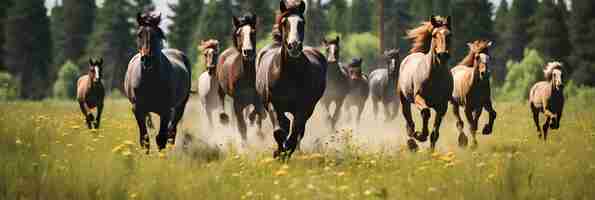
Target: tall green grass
point(47, 153)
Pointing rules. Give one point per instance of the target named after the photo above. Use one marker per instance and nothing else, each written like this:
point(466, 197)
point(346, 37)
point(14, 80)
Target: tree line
point(36, 42)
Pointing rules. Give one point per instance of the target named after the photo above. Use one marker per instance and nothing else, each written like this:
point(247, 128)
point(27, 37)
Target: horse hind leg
point(142, 126)
point(440, 112)
point(463, 140)
point(487, 129)
point(472, 124)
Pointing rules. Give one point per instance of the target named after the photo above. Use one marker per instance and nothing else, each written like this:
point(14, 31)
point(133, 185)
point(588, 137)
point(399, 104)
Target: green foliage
point(338, 14)
point(4, 5)
point(79, 18)
point(364, 45)
point(361, 16)
point(28, 47)
point(58, 38)
point(472, 20)
point(522, 75)
point(65, 86)
point(184, 19)
point(518, 23)
point(582, 24)
point(316, 24)
point(8, 87)
point(264, 13)
point(550, 32)
point(501, 52)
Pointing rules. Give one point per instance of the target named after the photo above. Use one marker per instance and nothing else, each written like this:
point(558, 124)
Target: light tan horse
point(90, 93)
point(471, 78)
point(208, 85)
point(424, 78)
point(547, 97)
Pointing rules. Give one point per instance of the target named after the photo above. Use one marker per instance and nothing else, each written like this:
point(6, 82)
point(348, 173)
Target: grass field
point(46, 152)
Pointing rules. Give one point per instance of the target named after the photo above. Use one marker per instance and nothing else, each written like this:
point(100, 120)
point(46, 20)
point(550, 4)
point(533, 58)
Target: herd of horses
point(287, 77)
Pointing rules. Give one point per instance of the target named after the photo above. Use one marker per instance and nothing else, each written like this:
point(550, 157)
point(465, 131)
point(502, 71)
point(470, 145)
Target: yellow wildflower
point(281, 172)
point(19, 141)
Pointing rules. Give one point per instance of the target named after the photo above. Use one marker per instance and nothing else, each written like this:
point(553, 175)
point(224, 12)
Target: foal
point(547, 97)
point(90, 93)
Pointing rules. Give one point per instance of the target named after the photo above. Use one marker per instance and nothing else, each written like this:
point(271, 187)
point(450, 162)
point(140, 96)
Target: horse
point(382, 84)
point(547, 97)
point(471, 89)
point(336, 89)
point(208, 85)
point(236, 74)
point(90, 93)
point(358, 88)
point(290, 79)
point(157, 80)
point(424, 78)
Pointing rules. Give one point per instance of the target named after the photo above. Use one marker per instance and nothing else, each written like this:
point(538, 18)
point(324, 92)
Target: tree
point(315, 23)
point(65, 85)
point(361, 16)
point(582, 38)
point(421, 10)
point(28, 47)
point(550, 33)
point(502, 48)
point(113, 40)
point(184, 20)
point(79, 16)
point(216, 22)
point(337, 14)
point(522, 75)
point(518, 37)
point(58, 39)
point(264, 13)
point(144, 5)
point(471, 20)
point(4, 5)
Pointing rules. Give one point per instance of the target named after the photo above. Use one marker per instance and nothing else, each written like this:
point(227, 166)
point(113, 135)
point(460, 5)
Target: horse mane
point(550, 67)
point(421, 37)
point(477, 46)
point(212, 43)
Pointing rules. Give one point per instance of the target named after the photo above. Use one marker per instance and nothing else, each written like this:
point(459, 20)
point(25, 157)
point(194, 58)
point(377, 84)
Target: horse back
point(413, 74)
point(180, 75)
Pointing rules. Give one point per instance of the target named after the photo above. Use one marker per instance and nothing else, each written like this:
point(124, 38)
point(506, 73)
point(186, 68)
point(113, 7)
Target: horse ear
point(157, 20)
point(338, 39)
point(236, 21)
point(139, 19)
point(470, 45)
point(448, 22)
point(282, 6)
point(490, 43)
point(100, 63)
point(90, 61)
point(433, 21)
point(302, 7)
point(324, 42)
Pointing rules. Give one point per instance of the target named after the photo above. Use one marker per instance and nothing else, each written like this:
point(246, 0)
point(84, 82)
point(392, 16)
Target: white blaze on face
point(96, 73)
point(293, 36)
point(484, 58)
point(247, 41)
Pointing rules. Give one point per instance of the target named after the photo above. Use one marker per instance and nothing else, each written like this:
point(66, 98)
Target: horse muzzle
point(211, 70)
point(295, 49)
point(248, 54)
point(444, 55)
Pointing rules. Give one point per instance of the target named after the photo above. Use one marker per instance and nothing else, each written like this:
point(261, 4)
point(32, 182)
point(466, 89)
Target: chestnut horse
point(208, 86)
point(291, 78)
point(547, 97)
point(424, 78)
point(236, 74)
point(90, 93)
point(471, 82)
point(336, 79)
point(157, 81)
point(382, 83)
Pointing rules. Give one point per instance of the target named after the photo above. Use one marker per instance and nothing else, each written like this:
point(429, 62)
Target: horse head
point(244, 36)
point(553, 73)
point(354, 70)
point(149, 38)
point(392, 59)
point(291, 24)
point(481, 58)
point(440, 37)
point(95, 69)
point(332, 49)
point(210, 52)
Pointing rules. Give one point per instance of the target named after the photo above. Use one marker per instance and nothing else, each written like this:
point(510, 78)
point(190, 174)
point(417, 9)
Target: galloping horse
point(336, 77)
point(471, 89)
point(158, 81)
point(547, 97)
point(424, 78)
point(291, 77)
point(90, 93)
point(236, 73)
point(382, 83)
point(358, 88)
point(208, 86)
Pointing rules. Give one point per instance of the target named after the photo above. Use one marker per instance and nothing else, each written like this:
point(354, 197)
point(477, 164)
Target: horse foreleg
point(223, 117)
point(360, 110)
point(297, 133)
point(472, 124)
point(421, 104)
point(88, 116)
point(99, 111)
point(406, 111)
point(281, 132)
point(546, 126)
point(487, 129)
point(460, 125)
point(338, 112)
point(241, 122)
point(142, 126)
point(440, 112)
point(177, 116)
point(163, 135)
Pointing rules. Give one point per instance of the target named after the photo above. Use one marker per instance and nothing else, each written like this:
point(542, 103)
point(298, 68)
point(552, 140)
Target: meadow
point(46, 152)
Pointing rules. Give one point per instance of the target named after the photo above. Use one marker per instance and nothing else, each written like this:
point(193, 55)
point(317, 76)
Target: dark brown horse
point(236, 73)
point(336, 79)
point(547, 97)
point(382, 83)
point(292, 78)
point(157, 81)
point(424, 78)
point(471, 81)
point(358, 89)
point(90, 93)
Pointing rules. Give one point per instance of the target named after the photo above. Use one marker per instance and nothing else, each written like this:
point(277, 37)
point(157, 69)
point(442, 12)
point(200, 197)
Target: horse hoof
point(412, 145)
point(463, 141)
point(161, 140)
point(224, 118)
point(474, 145)
point(280, 137)
point(487, 130)
point(421, 137)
